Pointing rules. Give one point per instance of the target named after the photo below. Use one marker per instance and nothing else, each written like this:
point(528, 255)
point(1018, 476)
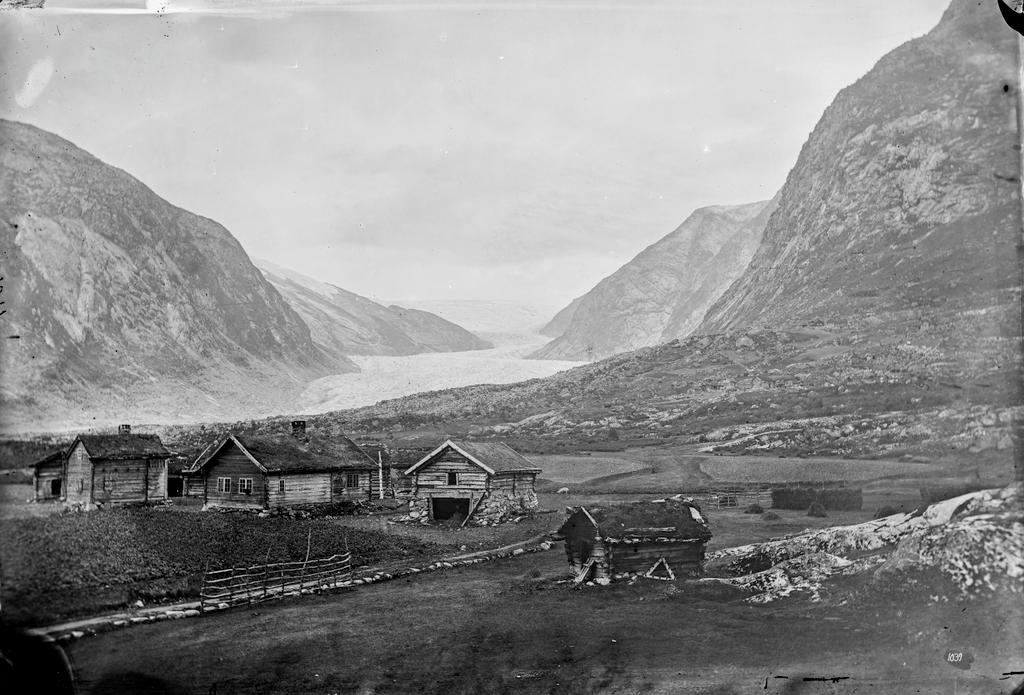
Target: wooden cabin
point(48, 477)
point(658, 540)
point(281, 471)
point(117, 468)
point(488, 482)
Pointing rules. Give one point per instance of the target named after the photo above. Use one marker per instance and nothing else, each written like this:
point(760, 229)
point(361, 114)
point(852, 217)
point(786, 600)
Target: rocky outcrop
point(662, 293)
point(344, 323)
point(902, 211)
point(122, 304)
point(972, 544)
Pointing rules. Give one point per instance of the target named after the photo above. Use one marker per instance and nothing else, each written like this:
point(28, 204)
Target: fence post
point(302, 573)
point(202, 588)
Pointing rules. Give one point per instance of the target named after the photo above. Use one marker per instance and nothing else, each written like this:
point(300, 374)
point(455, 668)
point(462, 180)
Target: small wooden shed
point(117, 468)
point(281, 471)
point(664, 539)
point(487, 482)
point(48, 477)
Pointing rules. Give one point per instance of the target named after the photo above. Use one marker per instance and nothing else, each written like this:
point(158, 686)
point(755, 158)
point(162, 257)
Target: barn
point(486, 482)
point(48, 477)
point(120, 468)
point(660, 540)
point(280, 471)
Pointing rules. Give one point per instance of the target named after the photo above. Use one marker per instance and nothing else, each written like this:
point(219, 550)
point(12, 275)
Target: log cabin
point(487, 482)
point(48, 477)
point(280, 471)
point(659, 540)
point(121, 468)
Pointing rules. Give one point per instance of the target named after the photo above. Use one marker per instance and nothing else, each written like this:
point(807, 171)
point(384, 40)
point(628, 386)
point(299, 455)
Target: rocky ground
point(962, 548)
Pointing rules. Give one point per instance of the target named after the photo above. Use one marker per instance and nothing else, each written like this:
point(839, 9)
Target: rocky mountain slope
point(662, 293)
point(119, 304)
point(903, 210)
point(560, 321)
point(343, 322)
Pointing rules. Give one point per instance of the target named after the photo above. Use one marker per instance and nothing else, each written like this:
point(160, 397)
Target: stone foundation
point(494, 509)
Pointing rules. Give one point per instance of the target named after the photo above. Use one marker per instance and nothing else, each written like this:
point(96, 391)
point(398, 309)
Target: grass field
point(565, 470)
point(510, 627)
point(669, 470)
point(68, 565)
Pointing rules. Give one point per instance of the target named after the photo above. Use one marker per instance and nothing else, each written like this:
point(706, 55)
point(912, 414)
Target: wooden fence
point(734, 495)
point(247, 585)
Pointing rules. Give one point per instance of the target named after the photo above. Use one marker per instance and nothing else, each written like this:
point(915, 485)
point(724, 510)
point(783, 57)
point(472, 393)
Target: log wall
point(44, 475)
point(157, 481)
point(433, 476)
point(363, 490)
point(231, 463)
point(682, 557)
point(119, 481)
point(299, 489)
point(78, 478)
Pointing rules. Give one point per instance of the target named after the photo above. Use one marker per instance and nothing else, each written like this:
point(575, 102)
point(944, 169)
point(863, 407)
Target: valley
point(385, 377)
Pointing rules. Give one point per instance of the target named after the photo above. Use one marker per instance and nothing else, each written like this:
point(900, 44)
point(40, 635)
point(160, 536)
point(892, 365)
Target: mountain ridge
point(663, 291)
point(344, 322)
point(119, 298)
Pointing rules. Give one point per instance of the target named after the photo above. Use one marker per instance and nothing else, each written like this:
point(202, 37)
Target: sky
point(459, 150)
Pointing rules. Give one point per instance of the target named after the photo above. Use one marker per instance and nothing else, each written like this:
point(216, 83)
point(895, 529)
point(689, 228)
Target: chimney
point(298, 428)
point(124, 429)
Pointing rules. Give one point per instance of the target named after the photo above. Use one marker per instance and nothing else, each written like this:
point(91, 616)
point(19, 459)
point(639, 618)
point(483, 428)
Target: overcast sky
point(517, 151)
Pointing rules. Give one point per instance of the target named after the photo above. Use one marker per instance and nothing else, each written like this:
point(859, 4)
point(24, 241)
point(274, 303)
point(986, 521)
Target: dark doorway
point(55, 487)
point(447, 507)
point(175, 487)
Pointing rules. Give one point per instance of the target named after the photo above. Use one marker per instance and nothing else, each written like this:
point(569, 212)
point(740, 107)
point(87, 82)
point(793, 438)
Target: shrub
point(817, 509)
point(754, 509)
point(771, 516)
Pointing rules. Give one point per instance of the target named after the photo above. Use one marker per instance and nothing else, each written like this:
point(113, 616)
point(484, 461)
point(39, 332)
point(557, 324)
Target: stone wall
point(495, 508)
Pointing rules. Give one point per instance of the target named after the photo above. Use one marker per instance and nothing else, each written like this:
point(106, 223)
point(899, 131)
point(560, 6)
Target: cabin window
point(280, 485)
point(453, 478)
point(223, 484)
point(245, 486)
point(351, 480)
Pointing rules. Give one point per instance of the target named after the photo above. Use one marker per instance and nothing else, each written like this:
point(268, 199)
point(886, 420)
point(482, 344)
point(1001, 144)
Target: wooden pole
point(302, 573)
point(266, 572)
point(202, 588)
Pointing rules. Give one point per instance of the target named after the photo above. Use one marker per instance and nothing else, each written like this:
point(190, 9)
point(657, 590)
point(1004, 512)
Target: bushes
point(754, 509)
point(771, 516)
point(835, 498)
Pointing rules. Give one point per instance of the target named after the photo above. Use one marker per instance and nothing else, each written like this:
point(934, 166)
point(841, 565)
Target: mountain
point(887, 279)
point(119, 304)
point(561, 321)
point(903, 209)
point(663, 293)
point(343, 322)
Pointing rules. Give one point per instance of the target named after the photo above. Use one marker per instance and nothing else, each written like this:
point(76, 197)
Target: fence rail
point(727, 496)
point(237, 585)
